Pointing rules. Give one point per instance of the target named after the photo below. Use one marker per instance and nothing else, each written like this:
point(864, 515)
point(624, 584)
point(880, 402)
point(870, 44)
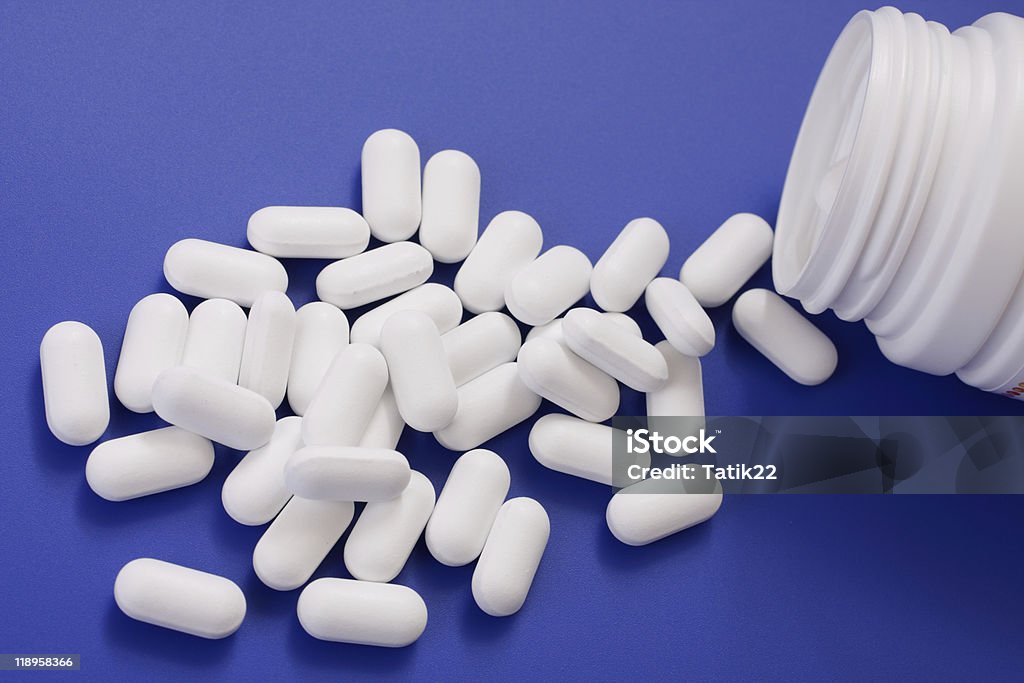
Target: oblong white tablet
point(488, 405)
point(362, 612)
point(451, 205)
point(347, 397)
point(254, 492)
point(150, 462)
point(683, 393)
point(153, 341)
point(611, 347)
point(543, 289)
point(467, 506)
point(727, 259)
point(210, 270)
point(510, 558)
point(74, 383)
point(551, 370)
point(386, 532)
point(626, 268)
point(511, 241)
point(267, 352)
point(553, 329)
point(386, 425)
point(391, 185)
point(679, 317)
point(346, 473)
point(214, 408)
point(327, 232)
point(636, 516)
point(216, 335)
point(374, 275)
point(419, 372)
point(480, 344)
point(321, 331)
point(298, 540)
point(179, 598)
point(437, 301)
point(786, 338)
point(583, 449)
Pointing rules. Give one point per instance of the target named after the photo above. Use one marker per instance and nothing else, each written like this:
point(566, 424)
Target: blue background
point(127, 126)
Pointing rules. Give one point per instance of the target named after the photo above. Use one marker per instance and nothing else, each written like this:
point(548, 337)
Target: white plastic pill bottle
point(904, 200)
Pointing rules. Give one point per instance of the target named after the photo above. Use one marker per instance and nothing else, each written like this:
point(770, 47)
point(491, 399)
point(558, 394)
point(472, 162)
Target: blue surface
point(127, 126)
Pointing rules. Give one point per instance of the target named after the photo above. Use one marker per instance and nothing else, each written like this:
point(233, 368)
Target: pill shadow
point(626, 559)
point(229, 534)
point(165, 645)
point(263, 600)
point(340, 658)
point(479, 627)
point(99, 512)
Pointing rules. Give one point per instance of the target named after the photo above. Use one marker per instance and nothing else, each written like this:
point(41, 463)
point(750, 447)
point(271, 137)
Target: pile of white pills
point(219, 375)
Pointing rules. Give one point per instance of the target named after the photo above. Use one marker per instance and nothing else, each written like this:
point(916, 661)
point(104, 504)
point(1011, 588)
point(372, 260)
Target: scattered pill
point(629, 264)
point(488, 405)
point(210, 270)
point(437, 301)
point(553, 329)
point(322, 232)
point(543, 289)
point(511, 555)
point(583, 449)
point(418, 367)
point(346, 473)
point(451, 205)
point(321, 331)
point(216, 336)
point(683, 393)
point(267, 352)
point(347, 397)
point(480, 344)
point(386, 425)
point(391, 185)
point(74, 383)
point(362, 612)
point(147, 463)
point(254, 491)
point(679, 317)
point(512, 240)
point(612, 348)
point(374, 275)
point(552, 371)
point(652, 509)
point(727, 259)
point(153, 341)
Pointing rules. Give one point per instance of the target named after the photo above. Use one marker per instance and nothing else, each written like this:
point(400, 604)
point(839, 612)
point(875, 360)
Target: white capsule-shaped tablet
point(511, 240)
point(346, 473)
point(552, 371)
point(786, 338)
point(451, 205)
point(216, 336)
point(679, 317)
point(74, 383)
point(386, 532)
point(153, 341)
point(683, 393)
point(325, 232)
point(267, 352)
point(543, 289)
point(652, 509)
point(362, 612)
point(321, 331)
point(480, 344)
point(466, 508)
point(583, 449)
point(386, 425)
point(510, 558)
point(254, 492)
point(727, 259)
point(610, 347)
point(553, 329)
point(210, 270)
point(179, 598)
point(488, 405)
point(374, 275)
point(347, 397)
point(419, 372)
point(214, 408)
point(150, 462)
point(391, 185)
point(298, 540)
point(437, 301)
point(629, 264)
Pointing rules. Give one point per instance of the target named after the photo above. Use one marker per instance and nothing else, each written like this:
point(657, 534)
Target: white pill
point(386, 532)
point(553, 329)
point(437, 301)
point(679, 317)
point(467, 506)
point(784, 337)
point(362, 613)
point(551, 370)
point(583, 449)
point(636, 516)
point(391, 185)
point(74, 383)
point(298, 540)
point(480, 344)
point(386, 425)
point(629, 264)
point(346, 473)
point(211, 407)
point(254, 492)
point(210, 270)
point(451, 205)
point(150, 462)
point(179, 598)
point(727, 259)
point(488, 405)
point(267, 352)
point(419, 372)
point(153, 341)
point(374, 275)
point(321, 331)
point(543, 289)
point(612, 348)
point(683, 393)
point(511, 241)
point(347, 397)
point(510, 558)
point(216, 335)
point(308, 232)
